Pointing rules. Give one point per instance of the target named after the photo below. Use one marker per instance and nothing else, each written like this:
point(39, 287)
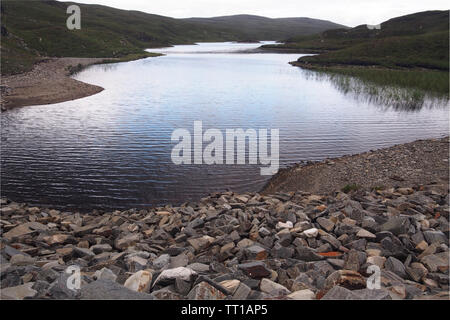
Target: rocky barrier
point(385, 244)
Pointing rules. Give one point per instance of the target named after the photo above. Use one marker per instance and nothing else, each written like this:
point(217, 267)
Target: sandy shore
point(416, 163)
point(48, 82)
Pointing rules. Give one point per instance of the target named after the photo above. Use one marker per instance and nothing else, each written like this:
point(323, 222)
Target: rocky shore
point(235, 246)
point(404, 165)
point(49, 82)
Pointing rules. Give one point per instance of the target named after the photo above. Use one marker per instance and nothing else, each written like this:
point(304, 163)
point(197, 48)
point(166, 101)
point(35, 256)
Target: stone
point(199, 267)
point(162, 261)
point(305, 294)
point(100, 248)
point(326, 224)
point(18, 292)
point(201, 243)
point(110, 290)
point(339, 293)
point(24, 229)
point(273, 288)
point(56, 239)
point(346, 278)
point(255, 252)
point(21, 260)
point(396, 266)
point(205, 291)
point(127, 241)
point(242, 292)
point(105, 274)
point(435, 236)
point(307, 254)
point(396, 225)
point(169, 275)
point(311, 233)
point(255, 270)
point(436, 262)
point(230, 285)
point(139, 281)
point(365, 234)
point(377, 260)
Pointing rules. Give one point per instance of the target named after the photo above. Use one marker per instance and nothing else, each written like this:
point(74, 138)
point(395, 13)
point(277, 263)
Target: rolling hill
point(33, 29)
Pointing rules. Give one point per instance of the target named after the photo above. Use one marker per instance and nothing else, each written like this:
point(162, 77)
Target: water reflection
point(112, 149)
point(385, 97)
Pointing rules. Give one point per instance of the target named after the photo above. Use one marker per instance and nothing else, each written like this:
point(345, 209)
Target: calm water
point(113, 149)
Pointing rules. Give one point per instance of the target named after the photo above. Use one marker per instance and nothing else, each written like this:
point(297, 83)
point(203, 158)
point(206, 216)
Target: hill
point(419, 40)
point(31, 29)
point(253, 27)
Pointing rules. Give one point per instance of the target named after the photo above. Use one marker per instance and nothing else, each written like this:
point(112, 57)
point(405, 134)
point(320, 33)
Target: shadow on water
point(397, 90)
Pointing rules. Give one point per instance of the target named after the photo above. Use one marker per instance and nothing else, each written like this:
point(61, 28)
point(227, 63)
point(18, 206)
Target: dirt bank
point(48, 82)
point(419, 162)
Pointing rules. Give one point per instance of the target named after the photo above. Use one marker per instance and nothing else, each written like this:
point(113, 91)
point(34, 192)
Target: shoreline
point(421, 161)
point(50, 81)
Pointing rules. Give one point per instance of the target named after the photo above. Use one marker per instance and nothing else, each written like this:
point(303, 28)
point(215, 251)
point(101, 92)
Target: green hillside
point(419, 40)
point(31, 29)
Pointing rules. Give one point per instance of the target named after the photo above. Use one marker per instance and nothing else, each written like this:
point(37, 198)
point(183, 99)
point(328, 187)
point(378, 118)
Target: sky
point(347, 12)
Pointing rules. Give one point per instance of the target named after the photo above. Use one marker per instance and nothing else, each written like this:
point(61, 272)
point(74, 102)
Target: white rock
point(282, 225)
point(230, 285)
point(311, 233)
point(302, 295)
point(176, 273)
point(365, 234)
point(140, 281)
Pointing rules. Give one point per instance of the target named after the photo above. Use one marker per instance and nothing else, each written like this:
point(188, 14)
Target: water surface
point(112, 150)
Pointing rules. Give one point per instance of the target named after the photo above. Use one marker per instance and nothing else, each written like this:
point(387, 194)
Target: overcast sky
point(347, 12)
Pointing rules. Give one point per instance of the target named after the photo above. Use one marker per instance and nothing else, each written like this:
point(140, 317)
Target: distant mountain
point(31, 29)
point(261, 28)
point(419, 40)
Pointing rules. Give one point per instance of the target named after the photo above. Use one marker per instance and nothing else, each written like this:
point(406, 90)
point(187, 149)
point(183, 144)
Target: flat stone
point(255, 270)
point(24, 229)
point(273, 288)
point(18, 292)
point(305, 294)
point(105, 274)
point(255, 252)
point(365, 234)
point(162, 261)
point(242, 292)
point(110, 290)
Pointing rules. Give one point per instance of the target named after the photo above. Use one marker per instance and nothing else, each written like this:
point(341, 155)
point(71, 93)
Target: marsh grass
point(409, 90)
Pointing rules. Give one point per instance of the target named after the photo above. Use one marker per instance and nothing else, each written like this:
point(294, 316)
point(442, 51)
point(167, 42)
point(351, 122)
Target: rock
point(201, 243)
point(110, 290)
point(286, 225)
point(255, 252)
point(346, 278)
point(339, 293)
point(19, 292)
point(139, 281)
point(242, 292)
point(162, 261)
point(311, 233)
point(273, 288)
point(21, 260)
point(105, 274)
point(377, 260)
point(396, 225)
point(365, 234)
point(230, 285)
point(326, 224)
point(302, 295)
point(436, 262)
point(169, 275)
point(255, 270)
point(100, 248)
point(127, 241)
point(24, 229)
point(395, 266)
point(205, 291)
point(435, 236)
point(199, 267)
point(307, 254)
